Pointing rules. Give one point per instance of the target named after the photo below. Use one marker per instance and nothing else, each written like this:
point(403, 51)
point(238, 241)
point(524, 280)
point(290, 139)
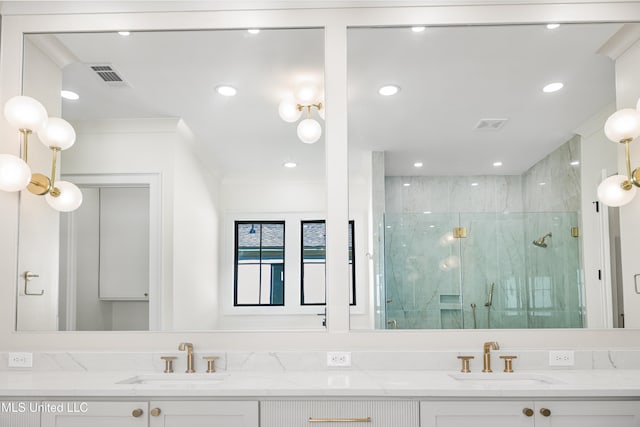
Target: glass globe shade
point(307, 94)
point(612, 194)
point(57, 133)
point(15, 174)
point(24, 112)
point(288, 110)
point(309, 131)
point(623, 124)
point(69, 199)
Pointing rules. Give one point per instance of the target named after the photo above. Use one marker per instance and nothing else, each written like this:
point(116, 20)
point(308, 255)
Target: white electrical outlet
point(339, 358)
point(562, 358)
point(20, 360)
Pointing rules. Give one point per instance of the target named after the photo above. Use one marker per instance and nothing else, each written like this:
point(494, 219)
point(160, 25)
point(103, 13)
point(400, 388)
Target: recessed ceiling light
point(552, 26)
point(418, 29)
point(253, 30)
point(226, 90)
point(426, 212)
point(124, 33)
point(406, 184)
point(418, 165)
point(290, 165)
point(553, 87)
point(67, 94)
point(474, 184)
point(497, 164)
point(542, 183)
point(388, 90)
point(432, 226)
point(575, 163)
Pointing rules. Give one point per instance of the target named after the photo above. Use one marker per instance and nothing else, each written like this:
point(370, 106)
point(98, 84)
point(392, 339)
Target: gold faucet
point(488, 346)
point(189, 347)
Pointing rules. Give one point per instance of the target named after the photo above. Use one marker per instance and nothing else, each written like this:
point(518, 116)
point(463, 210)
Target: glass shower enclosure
point(481, 270)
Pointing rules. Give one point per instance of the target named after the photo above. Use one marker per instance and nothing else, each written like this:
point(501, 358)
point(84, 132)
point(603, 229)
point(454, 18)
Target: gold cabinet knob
point(155, 412)
point(137, 412)
point(528, 412)
point(465, 363)
point(545, 412)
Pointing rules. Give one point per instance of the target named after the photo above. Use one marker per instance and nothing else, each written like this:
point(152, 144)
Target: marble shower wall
point(435, 281)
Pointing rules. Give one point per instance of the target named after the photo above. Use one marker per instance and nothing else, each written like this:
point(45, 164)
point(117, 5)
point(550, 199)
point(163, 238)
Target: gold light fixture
point(623, 126)
point(29, 116)
point(291, 108)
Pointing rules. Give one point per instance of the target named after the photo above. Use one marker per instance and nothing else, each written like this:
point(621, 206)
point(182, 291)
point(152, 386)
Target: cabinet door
point(346, 413)
point(203, 414)
point(477, 414)
point(94, 414)
point(19, 414)
point(587, 414)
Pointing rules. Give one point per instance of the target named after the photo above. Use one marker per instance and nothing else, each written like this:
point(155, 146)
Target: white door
point(477, 414)
point(94, 414)
point(203, 414)
point(588, 414)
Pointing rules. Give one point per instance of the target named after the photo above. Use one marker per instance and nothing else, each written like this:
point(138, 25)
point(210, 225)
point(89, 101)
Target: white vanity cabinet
point(19, 414)
point(94, 414)
point(339, 413)
point(153, 414)
point(527, 413)
point(203, 414)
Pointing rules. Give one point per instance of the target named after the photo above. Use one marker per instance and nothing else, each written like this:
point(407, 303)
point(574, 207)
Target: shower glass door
point(482, 270)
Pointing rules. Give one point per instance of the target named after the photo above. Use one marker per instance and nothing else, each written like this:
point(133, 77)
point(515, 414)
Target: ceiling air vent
point(109, 75)
point(490, 124)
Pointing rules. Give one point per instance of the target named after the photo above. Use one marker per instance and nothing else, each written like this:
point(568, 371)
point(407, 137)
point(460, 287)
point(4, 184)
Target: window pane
point(314, 280)
point(248, 284)
point(259, 245)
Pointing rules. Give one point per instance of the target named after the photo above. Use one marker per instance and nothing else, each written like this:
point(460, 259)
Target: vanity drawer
point(339, 413)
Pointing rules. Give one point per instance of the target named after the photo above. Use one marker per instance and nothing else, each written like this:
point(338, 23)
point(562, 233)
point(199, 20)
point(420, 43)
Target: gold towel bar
point(340, 420)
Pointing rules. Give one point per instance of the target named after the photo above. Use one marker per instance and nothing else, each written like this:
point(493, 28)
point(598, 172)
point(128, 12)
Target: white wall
point(597, 153)
point(627, 94)
point(38, 222)
point(335, 23)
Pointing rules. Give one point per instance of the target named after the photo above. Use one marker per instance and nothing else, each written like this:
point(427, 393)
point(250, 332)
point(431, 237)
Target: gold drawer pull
point(340, 420)
point(137, 412)
point(545, 412)
point(528, 412)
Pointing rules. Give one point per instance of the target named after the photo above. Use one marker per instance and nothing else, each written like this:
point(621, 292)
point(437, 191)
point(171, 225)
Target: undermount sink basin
point(503, 379)
point(175, 379)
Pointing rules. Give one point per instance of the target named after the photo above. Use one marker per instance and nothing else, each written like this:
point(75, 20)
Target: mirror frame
point(335, 22)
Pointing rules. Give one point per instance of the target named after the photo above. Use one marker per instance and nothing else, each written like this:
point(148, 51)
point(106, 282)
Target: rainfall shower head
point(541, 241)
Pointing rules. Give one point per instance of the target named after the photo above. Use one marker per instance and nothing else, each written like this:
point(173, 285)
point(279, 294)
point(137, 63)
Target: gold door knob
point(528, 412)
point(155, 412)
point(545, 412)
point(137, 412)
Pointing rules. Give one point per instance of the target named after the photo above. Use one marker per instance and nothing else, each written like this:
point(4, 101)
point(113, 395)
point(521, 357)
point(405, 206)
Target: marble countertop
point(594, 383)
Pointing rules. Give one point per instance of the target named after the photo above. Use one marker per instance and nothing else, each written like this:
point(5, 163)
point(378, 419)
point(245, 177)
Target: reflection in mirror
point(481, 176)
point(179, 138)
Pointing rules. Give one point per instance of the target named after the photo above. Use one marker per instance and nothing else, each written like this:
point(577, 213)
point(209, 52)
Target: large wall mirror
point(194, 187)
point(480, 149)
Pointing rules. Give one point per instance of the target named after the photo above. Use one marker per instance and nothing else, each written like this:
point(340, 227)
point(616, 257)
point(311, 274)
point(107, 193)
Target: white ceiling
point(451, 77)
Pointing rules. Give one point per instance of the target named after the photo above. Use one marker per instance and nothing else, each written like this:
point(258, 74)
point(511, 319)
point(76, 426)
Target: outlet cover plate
point(339, 358)
point(562, 358)
point(20, 360)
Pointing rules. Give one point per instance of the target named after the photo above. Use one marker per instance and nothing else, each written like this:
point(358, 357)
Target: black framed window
point(259, 263)
point(313, 263)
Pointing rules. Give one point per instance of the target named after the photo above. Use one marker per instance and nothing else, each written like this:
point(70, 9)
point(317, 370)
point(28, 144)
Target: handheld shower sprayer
point(541, 241)
point(489, 302)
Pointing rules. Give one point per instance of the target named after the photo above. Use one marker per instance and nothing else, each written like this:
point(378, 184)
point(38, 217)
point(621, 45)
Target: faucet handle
point(508, 366)
point(465, 363)
point(211, 363)
point(168, 363)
